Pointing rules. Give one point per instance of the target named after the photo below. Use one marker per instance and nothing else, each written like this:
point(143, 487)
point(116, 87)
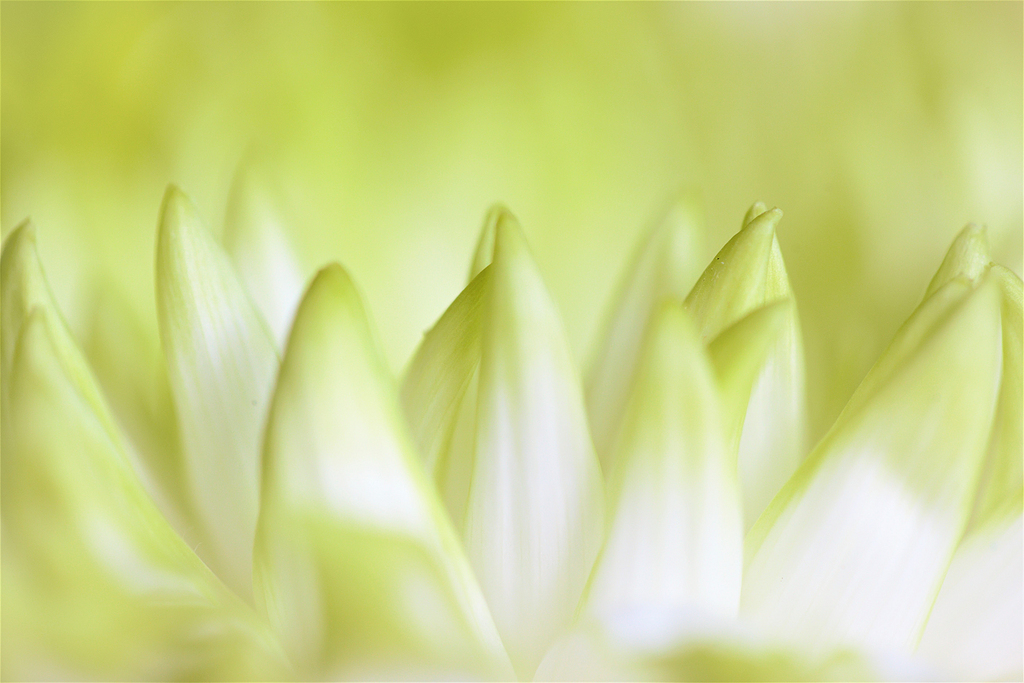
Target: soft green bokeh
point(880, 130)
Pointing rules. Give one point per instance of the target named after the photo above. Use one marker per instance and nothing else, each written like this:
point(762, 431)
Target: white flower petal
point(665, 266)
point(221, 363)
point(854, 548)
point(975, 628)
point(96, 583)
point(357, 565)
point(746, 274)
point(675, 538)
point(534, 517)
point(254, 237)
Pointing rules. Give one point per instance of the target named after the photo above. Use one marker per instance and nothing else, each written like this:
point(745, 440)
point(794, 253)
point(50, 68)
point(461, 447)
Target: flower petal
point(534, 516)
point(665, 266)
point(441, 370)
point(255, 239)
point(484, 252)
point(97, 584)
point(854, 548)
point(967, 257)
point(746, 274)
point(1003, 475)
point(25, 291)
point(357, 565)
point(221, 363)
point(738, 354)
point(675, 538)
point(974, 630)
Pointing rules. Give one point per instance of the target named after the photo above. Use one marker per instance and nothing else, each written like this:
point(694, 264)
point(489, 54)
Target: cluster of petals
point(259, 498)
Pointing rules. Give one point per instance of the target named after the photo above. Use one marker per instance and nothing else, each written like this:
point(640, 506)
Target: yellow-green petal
point(221, 362)
point(675, 538)
point(534, 516)
point(441, 371)
point(24, 291)
point(357, 565)
point(967, 257)
point(665, 265)
point(855, 547)
point(738, 355)
point(745, 275)
point(484, 251)
point(1002, 477)
point(96, 583)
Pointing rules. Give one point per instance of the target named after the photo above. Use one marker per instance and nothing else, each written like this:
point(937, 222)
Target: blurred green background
point(879, 129)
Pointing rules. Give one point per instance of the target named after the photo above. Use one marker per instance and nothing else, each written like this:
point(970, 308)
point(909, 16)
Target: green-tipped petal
point(968, 257)
point(755, 210)
point(675, 539)
point(747, 274)
point(484, 252)
point(221, 363)
point(357, 565)
point(96, 583)
point(534, 516)
point(738, 356)
point(254, 237)
point(665, 266)
point(974, 630)
point(441, 370)
point(855, 547)
point(24, 291)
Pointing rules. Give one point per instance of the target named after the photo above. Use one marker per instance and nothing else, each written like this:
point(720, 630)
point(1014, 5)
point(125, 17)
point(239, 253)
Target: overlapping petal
point(357, 564)
point(675, 538)
point(507, 439)
point(96, 582)
point(664, 267)
point(221, 363)
point(746, 274)
point(855, 547)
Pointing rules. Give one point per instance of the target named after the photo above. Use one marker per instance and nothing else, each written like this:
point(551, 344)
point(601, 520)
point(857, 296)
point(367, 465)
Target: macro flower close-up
point(461, 342)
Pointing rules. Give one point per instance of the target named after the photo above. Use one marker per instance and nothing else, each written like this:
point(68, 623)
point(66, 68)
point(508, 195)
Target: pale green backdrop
point(879, 129)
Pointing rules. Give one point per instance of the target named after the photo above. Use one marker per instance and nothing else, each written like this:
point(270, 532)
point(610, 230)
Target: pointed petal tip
point(26, 230)
point(755, 210)
point(761, 219)
point(174, 195)
point(20, 239)
point(509, 240)
point(177, 212)
point(498, 213)
point(967, 257)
